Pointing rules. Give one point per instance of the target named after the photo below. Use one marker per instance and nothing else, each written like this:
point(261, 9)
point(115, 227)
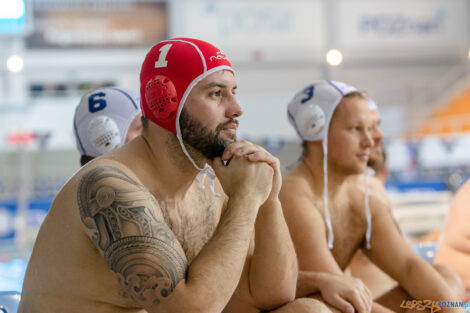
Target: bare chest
point(349, 228)
point(193, 222)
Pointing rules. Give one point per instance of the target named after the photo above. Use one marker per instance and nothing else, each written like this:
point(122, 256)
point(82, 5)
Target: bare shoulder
point(298, 198)
point(376, 186)
point(461, 200)
point(126, 224)
point(105, 184)
point(359, 186)
point(295, 183)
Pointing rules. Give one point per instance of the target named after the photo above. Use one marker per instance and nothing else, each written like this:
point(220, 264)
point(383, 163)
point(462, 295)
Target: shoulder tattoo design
point(137, 245)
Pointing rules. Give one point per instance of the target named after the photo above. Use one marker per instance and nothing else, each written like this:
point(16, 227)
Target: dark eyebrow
point(216, 84)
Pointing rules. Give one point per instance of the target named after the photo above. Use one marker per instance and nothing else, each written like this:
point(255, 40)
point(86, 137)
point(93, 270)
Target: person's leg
point(303, 305)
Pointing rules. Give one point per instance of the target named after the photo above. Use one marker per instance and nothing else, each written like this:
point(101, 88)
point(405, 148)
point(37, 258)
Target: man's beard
point(209, 143)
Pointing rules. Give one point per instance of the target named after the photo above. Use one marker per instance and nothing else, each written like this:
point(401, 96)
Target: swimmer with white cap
point(150, 227)
point(331, 216)
point(105, 119)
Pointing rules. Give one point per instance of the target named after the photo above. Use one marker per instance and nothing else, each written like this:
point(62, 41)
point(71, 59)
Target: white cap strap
point(368, 214)
point(210, 174)
point(331, 235)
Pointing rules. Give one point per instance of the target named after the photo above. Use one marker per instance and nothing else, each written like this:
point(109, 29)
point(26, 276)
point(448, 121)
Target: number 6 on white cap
point(162, 62)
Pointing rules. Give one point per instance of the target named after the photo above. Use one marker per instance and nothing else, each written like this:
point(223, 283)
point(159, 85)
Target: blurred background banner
point(255, 30)
point(97, 24)
point(429, 27)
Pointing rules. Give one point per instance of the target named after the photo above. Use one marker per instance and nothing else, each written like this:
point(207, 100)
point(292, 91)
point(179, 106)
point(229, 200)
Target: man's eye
point(215, 93)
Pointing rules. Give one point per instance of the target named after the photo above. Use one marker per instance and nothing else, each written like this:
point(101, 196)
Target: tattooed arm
point(126, 224)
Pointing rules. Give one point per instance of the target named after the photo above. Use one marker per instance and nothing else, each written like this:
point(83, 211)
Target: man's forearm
point(308, 283)
point(273, 267)
point(424, 282)
point(214, 274)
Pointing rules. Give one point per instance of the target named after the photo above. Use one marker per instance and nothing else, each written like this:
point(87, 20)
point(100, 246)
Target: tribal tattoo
point(129, 229)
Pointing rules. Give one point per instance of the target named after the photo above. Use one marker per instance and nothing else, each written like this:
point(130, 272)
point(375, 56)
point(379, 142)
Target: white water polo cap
point(311, 109)
point(371, 103)
point(102, 119)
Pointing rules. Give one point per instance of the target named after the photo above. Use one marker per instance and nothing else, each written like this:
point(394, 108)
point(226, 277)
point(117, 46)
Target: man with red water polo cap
point(151, 227)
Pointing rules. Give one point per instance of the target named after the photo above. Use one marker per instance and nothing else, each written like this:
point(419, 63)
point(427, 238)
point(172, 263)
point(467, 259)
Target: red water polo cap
point(169, 72)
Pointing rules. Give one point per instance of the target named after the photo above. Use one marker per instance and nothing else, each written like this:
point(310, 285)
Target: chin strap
point(331, 235)
point(208, 172)
point(368, 214)
point(204, 172)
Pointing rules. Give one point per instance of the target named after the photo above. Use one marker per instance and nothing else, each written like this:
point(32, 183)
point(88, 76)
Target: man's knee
point(453, 280)
point(304, 305)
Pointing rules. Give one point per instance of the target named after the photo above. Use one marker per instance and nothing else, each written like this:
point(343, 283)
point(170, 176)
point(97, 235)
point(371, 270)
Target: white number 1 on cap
point(161, 59)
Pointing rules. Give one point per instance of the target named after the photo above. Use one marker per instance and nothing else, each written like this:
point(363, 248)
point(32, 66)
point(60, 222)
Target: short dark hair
point(84, 159)
point(145, 122)
point(304, 149)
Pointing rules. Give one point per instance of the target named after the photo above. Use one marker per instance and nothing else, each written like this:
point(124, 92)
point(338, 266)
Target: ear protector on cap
point(104, 133)
point(306, 115)
point(310, 120)
point(161, 97)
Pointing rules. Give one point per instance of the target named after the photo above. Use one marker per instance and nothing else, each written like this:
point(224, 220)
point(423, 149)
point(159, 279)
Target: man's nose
point(377, 134)
point(367, 141)
point(233, 109)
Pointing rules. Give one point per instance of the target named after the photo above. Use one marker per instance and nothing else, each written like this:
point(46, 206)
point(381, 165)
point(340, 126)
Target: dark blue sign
point(9, 211)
